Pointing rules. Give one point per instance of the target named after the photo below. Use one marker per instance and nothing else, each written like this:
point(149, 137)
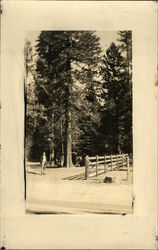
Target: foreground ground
point(64, 190)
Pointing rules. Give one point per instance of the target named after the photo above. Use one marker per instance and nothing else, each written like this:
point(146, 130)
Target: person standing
point(43, 163)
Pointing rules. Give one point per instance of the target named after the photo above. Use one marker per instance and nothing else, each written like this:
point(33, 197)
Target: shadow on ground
point(33, 172)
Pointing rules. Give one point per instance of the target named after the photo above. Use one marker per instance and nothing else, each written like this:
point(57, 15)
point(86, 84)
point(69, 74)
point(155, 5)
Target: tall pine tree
point(67, 61)
point(117, 115)
point(125, 46)
point(113, 76)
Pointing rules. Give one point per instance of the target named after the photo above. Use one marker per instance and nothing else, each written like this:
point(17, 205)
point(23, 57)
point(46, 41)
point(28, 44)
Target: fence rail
point(97, 165)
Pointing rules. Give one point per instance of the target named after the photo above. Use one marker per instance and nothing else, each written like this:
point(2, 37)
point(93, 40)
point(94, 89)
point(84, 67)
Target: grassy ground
point(64, 190)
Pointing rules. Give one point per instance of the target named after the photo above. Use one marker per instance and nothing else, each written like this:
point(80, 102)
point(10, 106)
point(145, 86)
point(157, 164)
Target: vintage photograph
point(78, 122)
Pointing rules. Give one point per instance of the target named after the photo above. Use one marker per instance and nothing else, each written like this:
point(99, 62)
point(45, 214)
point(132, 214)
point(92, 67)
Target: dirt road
point(65, 191)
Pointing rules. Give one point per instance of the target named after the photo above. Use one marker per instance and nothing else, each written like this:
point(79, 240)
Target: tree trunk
point(62, 147)
point(51, 156)
point(68, 137)
point(68, 142)
point(117, 123)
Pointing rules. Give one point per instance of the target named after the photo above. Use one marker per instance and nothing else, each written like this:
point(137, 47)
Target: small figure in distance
point(43, 163)
point(78, 162)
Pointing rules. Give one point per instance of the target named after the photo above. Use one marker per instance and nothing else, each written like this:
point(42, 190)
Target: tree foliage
point(66, 81)
point(77, 100)
point(117, 76)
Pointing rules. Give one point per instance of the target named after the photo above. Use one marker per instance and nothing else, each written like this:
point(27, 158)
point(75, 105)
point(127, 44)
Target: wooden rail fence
point(97, 165)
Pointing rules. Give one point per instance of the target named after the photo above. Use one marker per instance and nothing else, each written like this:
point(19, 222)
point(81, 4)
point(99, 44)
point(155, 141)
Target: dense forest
point(78, 97)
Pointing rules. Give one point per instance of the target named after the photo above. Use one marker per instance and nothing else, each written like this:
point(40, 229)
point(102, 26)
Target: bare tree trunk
point(62, 146)
point(51, 156)
point(68, 137)
point(68, 142)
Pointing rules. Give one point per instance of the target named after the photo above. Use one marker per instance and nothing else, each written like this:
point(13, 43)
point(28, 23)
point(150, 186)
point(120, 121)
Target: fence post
point(128, 169)
point(117, 164)
point(104, 164)
point(122, 160)
point(86, 167)
point(111, 163)
point(97, 165)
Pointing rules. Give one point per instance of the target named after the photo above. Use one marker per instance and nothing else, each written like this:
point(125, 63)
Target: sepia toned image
point(78, 122)
point(79, 125)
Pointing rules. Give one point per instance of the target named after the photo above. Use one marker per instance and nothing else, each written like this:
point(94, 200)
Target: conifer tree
point(117, 109)
point(31, 107)
point(125, 46)
point(67, 67)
